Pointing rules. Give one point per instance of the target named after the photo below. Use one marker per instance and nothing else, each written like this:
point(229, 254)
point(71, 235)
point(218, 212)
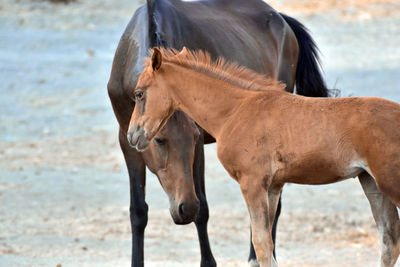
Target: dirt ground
point(63, 185)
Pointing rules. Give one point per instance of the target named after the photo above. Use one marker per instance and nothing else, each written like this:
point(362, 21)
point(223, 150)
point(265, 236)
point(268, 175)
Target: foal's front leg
point(252, 256)
point(261, 203)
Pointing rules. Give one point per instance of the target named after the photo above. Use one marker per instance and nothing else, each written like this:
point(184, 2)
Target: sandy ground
point(63, 184)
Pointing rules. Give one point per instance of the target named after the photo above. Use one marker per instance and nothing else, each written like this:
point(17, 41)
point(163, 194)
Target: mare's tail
point(309, 80)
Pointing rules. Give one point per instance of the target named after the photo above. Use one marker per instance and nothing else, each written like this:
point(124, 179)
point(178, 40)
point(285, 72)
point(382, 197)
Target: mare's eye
point(160, 141)
point(139, 95)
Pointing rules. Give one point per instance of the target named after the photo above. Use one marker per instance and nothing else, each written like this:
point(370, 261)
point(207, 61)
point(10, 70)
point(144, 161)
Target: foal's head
point(153, 105)
point(169, 145)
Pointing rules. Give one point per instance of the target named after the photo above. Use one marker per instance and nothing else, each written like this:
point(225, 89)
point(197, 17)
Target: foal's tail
point(309, 80)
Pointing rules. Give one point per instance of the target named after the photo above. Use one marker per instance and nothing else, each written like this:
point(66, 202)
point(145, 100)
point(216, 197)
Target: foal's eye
point(160, 141)
point(139, 95)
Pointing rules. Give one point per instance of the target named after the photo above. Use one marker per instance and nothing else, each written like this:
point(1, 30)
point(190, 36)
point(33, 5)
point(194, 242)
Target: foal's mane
point(221, 69)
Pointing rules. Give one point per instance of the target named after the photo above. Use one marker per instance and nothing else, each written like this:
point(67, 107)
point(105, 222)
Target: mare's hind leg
point(386, 219)
point(207, 258)
point(252, 256)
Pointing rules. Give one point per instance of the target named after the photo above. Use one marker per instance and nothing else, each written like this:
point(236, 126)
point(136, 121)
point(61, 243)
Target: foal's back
point(361, 118)
point(366, 125)
point(316, 140)
point(339, 138)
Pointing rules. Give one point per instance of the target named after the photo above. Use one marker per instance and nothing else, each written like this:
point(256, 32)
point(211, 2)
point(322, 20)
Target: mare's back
point(241, 31)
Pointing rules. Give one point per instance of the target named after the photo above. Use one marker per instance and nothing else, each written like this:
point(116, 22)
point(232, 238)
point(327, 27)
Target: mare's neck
point(207, 100)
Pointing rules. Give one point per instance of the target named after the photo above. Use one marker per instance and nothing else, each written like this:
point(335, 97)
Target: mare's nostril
point(181, 212)
point(185, 212)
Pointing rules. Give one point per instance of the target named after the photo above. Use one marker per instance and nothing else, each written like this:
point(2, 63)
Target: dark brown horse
point(233, 29)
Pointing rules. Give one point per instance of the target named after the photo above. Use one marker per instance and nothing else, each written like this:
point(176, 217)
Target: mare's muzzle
point(137, 137)
point(184, 212)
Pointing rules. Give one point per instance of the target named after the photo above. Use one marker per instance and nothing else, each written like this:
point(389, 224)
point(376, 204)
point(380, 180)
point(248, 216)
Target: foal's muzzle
point(137, 138)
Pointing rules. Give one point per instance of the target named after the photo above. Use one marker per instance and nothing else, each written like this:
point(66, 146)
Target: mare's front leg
point(138, 207)
point(386, 218)
point(262, 202)
point(207, 258)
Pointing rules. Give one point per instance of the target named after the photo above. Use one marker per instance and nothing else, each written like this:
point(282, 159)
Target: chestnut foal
point(267, 137)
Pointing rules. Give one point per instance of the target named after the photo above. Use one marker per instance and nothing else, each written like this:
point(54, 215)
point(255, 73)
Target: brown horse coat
point(266, 138)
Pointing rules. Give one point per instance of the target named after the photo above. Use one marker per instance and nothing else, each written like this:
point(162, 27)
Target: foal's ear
point(184, 50)
point(156, 59)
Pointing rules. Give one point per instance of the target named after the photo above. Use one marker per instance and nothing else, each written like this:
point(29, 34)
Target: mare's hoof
point(253, 263)
point(208, 263)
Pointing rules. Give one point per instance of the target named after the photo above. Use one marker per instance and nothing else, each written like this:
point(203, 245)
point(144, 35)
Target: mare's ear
point(194, 127)
point(156, 59)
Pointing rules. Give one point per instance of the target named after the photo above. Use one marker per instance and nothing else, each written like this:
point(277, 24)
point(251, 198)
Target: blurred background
point(64, 191)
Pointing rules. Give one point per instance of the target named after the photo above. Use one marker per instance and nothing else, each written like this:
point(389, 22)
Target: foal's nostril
point(129, 136)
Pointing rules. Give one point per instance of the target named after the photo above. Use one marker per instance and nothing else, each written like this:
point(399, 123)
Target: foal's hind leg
point(386, 219)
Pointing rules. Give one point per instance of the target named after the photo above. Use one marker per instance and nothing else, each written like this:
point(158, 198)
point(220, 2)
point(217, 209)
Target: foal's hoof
point(253, 263)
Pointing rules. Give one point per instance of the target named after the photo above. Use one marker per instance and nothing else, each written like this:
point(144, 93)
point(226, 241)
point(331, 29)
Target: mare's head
point(168, 139)
point(171, 156)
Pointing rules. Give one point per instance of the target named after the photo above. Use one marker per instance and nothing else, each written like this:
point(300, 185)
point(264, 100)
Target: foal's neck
point(207, 100)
